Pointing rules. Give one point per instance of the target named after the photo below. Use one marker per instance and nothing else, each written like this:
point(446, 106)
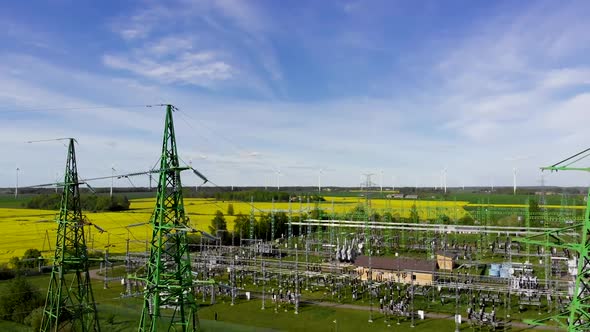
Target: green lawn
point(244, 316)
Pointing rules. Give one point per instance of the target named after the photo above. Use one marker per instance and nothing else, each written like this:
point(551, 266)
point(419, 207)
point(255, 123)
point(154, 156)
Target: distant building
point(446, 259)
point(411, 197)
point(403, 270)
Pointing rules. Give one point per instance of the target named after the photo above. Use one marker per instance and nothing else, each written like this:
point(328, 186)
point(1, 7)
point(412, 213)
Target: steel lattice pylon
point(169, 281)
point(576, 317)
point(70, 302)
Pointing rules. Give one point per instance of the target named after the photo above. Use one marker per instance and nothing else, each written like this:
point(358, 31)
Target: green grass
point(244, 316)
point(7, 201)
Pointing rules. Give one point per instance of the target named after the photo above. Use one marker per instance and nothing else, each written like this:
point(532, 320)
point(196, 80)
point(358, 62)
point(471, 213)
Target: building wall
point(404, 277)
point(444, 262)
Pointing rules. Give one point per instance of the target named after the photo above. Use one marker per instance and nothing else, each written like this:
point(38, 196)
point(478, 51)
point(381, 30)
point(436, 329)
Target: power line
point(77, 108)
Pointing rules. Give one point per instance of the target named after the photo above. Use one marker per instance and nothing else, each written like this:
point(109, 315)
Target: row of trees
point(89, 202)
point(264, 196)
point(264, 229)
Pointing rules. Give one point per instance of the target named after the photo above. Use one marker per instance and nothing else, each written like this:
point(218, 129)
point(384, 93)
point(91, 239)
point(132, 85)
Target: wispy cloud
point(228, 42)
point(199, 68)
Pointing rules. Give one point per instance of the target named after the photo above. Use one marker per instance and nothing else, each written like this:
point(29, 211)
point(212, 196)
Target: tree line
point(89, 202)
point(264, 196)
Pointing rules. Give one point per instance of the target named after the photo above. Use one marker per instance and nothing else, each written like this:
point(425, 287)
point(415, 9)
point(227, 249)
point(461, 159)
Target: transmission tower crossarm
point(565, 168)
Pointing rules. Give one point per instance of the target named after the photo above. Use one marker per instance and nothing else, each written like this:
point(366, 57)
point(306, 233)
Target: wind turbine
point(514, 179)
point(320, 181)
point(393, 182)
point(445, 179)
point(112, 178)
point(150, 178)
point(381, 181)
point(16, 187)
point(278, 178)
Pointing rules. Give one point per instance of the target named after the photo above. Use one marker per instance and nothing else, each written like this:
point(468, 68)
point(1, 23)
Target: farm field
point(30, 228)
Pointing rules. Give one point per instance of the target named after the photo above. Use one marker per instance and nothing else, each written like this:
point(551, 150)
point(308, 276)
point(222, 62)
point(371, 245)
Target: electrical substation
point(489, 276)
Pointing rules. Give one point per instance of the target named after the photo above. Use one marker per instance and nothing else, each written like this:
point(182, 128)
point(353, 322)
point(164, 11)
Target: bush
point(34, 319)
point(19, 300)
point(6, 272)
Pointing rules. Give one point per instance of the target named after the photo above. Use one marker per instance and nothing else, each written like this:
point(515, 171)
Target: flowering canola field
point(31, 228)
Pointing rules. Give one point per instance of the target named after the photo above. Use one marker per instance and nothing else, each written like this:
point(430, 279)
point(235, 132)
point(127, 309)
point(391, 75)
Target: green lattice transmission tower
point(70, 302)
point(169, 302)
point(575, 238)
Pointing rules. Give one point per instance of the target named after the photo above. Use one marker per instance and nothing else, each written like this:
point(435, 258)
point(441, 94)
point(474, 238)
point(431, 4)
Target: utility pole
point(70, 303)
point(169, 280)
point(297, 289)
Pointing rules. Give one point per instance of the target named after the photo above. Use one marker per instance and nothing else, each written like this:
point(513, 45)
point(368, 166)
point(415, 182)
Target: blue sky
point(402, 88)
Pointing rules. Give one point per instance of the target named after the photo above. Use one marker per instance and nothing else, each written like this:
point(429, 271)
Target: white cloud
point(566, 77)
point(236, 30)
point(189, 68)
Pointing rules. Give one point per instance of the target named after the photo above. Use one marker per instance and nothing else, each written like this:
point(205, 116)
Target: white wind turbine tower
point(150, 178)
point(16, 187)
point(278, 178)
point(112, 178)
point(320, 181)
point(393, 182)
point(445, 179)
point(381, 182)
point(514, 179)
point(514, 161)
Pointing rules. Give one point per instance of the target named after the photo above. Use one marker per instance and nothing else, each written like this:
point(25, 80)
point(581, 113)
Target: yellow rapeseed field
point(29, 228)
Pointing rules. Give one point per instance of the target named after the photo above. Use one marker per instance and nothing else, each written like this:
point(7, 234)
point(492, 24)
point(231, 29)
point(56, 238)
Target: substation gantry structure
point(70, 301)
point(169, 302)
point(577, 316)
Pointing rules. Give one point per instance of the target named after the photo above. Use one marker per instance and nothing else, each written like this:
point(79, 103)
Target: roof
point(396, 264)
point(453, 253)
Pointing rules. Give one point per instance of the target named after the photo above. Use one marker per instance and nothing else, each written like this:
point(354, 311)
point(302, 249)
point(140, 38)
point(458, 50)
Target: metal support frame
point(577, 316)
point(169, 297)
point(70, 300)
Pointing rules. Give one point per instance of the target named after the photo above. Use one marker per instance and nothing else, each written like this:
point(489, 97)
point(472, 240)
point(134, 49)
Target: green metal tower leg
point(169, 301)
point(70, 302)
point(576, 317)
